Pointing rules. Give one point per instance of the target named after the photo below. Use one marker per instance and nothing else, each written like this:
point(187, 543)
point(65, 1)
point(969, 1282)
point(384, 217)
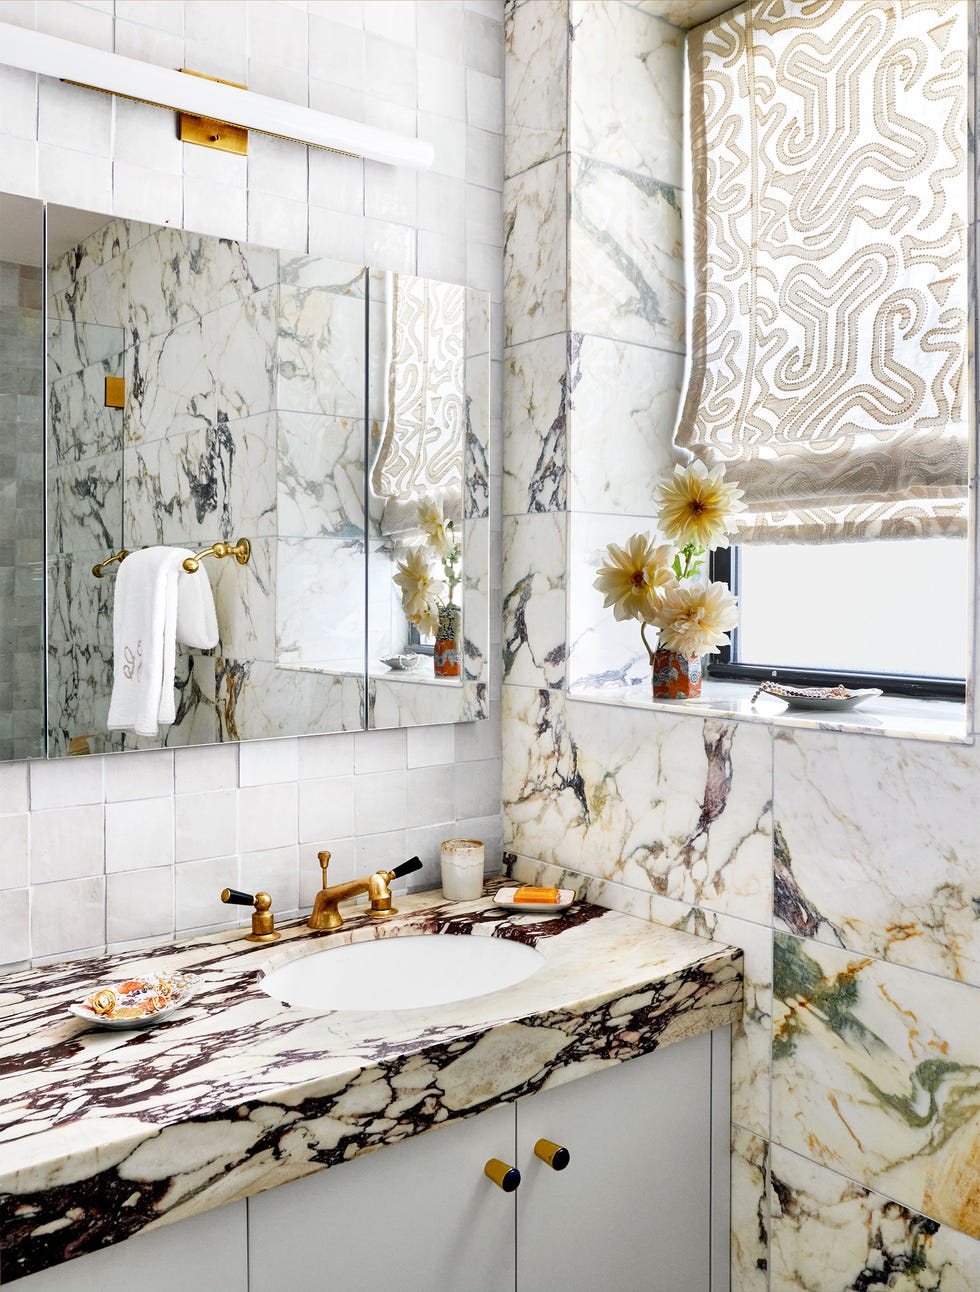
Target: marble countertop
point(104, 1133)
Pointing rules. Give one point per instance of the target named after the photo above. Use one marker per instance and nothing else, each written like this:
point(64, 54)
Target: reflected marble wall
point(846, 867)
point(21, 512)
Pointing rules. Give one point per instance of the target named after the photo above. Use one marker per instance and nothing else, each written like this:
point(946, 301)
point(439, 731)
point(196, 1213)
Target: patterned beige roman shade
point(828, 339)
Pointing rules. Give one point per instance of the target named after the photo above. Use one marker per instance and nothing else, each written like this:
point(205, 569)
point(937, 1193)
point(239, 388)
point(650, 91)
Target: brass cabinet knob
point(552, 1154)
point(504, 1177)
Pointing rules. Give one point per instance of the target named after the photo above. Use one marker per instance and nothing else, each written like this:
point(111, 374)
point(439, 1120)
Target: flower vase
point(446, 656)
point(675, 677)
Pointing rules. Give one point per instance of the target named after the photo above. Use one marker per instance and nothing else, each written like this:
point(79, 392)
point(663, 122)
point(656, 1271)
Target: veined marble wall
point(130, 847)
point(847, 867)
point(21, 511)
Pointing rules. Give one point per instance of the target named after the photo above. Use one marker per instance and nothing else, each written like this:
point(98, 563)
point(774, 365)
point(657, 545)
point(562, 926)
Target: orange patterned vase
point(675, 677)
point(446, 655)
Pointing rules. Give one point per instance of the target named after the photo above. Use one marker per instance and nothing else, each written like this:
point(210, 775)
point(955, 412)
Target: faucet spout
point(326, 916)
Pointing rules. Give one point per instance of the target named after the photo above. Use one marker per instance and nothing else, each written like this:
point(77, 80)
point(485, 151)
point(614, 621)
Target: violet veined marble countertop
point(103, 1133)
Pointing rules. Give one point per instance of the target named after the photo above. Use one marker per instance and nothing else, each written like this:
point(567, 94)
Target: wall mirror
point(202, 391)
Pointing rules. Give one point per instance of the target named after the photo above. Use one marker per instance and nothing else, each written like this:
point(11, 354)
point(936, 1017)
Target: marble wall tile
point(658, 802)
point(241, 342)
point(85, 505)
point(320, 622)
point(321, 352)
point(535, 85)
point(625, 256)
point(535, 253)
point(535, 426)
point(750, 1212)
point(171, 383)
point(534, 599)
point(623, 407)
point(875, 1075)
point(80, 426)
point(632, 116)
point(828, 1232)
point(684, 13)
point(874, 852)
point(320, 475)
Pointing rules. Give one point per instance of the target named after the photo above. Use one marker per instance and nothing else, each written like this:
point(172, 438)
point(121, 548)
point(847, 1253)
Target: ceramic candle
point(462, 869)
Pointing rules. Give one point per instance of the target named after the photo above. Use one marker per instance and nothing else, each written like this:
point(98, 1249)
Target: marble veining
point(536, 392)
point(238, 1093)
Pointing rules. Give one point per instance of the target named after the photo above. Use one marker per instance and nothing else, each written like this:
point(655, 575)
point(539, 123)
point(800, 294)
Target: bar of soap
point(546, 896)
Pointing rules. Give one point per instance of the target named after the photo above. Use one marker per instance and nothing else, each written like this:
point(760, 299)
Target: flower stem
point(643, 634)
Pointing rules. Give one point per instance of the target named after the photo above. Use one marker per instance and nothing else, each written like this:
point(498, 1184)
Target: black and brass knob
point(504, 1177)
point(552, 1154)
point(263, 920)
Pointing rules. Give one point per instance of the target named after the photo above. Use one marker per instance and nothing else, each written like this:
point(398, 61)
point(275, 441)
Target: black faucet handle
point(406, 868)
point(236, 897)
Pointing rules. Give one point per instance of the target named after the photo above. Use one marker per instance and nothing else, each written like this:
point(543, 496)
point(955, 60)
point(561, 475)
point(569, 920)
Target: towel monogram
point(133, 667)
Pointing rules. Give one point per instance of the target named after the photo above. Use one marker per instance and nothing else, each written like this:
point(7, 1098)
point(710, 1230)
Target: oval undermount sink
point(403, 972)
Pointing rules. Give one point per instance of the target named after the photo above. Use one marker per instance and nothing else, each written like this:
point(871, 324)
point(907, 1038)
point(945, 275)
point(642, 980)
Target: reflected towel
point(155, 601)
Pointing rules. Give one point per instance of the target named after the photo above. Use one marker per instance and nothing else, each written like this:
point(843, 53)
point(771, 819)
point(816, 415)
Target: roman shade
point(828, 324)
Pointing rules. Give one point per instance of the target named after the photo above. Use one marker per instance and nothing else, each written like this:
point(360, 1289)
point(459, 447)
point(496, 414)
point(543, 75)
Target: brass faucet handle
point(324, 860)
point(263, 920)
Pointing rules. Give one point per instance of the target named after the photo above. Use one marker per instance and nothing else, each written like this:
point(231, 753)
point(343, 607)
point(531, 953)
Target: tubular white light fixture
point(33, 51)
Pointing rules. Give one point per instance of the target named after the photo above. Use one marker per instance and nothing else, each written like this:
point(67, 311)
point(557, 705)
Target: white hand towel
point(155, 602)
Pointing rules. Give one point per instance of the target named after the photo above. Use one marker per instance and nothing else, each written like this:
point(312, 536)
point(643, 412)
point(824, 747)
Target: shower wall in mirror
point(242, 414)
point(21, 480)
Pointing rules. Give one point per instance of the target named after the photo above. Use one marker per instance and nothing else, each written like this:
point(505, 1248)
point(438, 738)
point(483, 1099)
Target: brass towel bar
point(241, 551)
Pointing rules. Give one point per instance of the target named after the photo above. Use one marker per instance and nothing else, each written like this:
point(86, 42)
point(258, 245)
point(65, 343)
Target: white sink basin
point(403, 972)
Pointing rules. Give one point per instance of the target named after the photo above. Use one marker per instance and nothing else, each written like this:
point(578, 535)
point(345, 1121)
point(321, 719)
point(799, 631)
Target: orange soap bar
point(547, 896)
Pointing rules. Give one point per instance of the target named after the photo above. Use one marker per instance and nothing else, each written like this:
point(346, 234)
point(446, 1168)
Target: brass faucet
point(326, 916)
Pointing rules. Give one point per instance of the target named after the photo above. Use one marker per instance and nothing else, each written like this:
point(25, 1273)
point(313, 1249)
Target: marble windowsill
point(238, 1093)
point(884, 716)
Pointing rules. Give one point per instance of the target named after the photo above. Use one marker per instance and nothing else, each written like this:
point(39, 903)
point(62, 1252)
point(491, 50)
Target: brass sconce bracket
point(209, 133)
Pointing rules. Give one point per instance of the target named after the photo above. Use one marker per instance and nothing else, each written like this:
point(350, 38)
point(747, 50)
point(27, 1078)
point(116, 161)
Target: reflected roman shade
point(828, 340)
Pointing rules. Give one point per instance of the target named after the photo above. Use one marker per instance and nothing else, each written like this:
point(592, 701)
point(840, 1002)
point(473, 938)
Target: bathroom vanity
point(225, 1117)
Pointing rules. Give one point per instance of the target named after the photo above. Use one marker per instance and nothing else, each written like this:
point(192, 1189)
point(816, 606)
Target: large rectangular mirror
point(201, 391)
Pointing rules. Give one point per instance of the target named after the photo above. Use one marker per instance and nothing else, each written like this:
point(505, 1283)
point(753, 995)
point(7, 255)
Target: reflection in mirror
point(201, 391)
point(21, 479)
point(428, 345)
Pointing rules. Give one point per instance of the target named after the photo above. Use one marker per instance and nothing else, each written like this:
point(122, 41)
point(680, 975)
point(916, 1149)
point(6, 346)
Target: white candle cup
point(462, 869)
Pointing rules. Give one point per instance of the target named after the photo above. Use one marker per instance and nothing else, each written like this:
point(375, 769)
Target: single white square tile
point(442, 204)
point(218, 209)
point(72, 117)
point(67, 843)
point(484, 101)
point(18, 102)
point(19, 13)
point(14, 852)
point(439, 25)
point(391, 246)
point(442, 87)
point(478, 740)
point(276, 80)
point(431, 795)
point(340, 100)
point(139, 193)
point(380, 751)
point(66, 782)
point(487, 8)
point(484, 216)
point(139, 834)
point(274, 871)
point(381, 852)
point(267, 816)
point(149, 44)
point(442, 257)
point(14, 792)
point(275, 221)
point(139, 904)
point(336, 53)
point(448, 138)
point(391, 18)
point(206, 825)
point(67, 917)
point(74, 178)
point(483, 44)
point(349, 12)
point(391, 192)
point(380, 802)
point(392, 71)
point(428, 746)
point(478, 788)
point(145, 775)
point(339, 236)
point(153, 13)
point(278, 166)
point(15, 920)
point(227, 61)
point(216, 22)
point(18, 167)
point(343, 866)
point(336, 182)
point(326, 808)
point(279, 33)
point(489, 830)
point(484, 157)
point(210, 767)
point(80, 23)
point(198, 886)
point(326, 755)
point(425, 842)
point(268, 762)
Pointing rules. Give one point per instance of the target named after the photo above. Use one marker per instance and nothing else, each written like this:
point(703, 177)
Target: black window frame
point(726, 666)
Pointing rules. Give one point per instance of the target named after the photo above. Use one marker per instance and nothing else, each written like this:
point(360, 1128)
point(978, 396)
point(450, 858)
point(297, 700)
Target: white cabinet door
point(415, 1217)
point(631, 1212)
point(202, 1254)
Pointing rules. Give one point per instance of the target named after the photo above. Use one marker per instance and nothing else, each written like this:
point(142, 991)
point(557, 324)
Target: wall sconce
point(218, 102)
